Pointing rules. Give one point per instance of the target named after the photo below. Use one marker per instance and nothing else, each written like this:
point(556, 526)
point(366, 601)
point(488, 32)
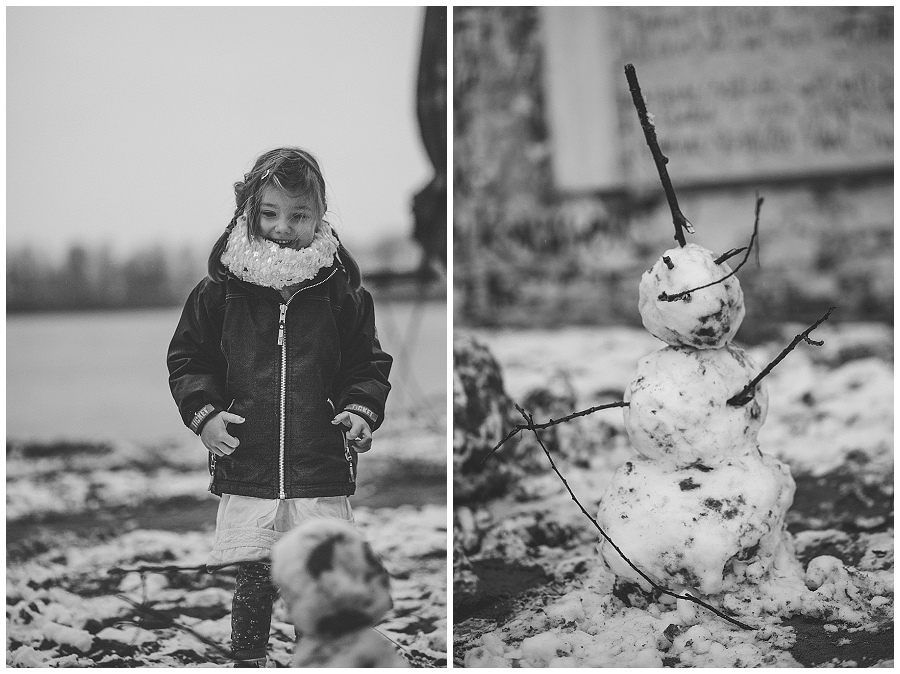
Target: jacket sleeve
point(362, 384)
point(196, 364)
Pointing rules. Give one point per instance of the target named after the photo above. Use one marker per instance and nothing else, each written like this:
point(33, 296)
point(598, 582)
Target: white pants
point(247, 527)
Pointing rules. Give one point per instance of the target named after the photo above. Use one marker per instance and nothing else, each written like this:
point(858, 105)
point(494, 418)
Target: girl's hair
point(297, 173)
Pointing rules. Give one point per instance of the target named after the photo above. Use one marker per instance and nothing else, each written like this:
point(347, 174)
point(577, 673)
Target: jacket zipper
point(281, 414)
point(282, 342)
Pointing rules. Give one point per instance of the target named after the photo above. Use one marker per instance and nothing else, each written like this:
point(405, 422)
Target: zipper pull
point(349, 459)
point(281, 324)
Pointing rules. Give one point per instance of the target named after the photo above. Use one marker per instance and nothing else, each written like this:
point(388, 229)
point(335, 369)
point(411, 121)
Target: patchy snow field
point(80, 515)
point(531, 592)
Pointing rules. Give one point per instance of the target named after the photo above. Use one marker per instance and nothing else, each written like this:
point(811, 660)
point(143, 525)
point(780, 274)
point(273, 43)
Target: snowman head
point(706, 318)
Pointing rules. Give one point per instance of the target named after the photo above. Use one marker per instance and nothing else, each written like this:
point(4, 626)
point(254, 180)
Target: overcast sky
point(130, 125)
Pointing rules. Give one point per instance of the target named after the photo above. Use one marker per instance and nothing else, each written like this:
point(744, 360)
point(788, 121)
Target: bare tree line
point(93, 278)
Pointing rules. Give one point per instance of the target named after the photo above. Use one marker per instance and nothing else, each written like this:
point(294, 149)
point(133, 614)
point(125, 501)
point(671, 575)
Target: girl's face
point(288, 221)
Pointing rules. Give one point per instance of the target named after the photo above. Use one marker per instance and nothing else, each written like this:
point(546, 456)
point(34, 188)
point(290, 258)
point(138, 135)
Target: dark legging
point(251, 611)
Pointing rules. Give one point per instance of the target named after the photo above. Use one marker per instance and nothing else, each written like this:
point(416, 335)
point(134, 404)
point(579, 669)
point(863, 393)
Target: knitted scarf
point(265, 263)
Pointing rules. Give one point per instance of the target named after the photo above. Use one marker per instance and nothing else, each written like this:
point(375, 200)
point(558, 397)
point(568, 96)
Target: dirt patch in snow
point(848, 498)
point(818, 647)
point(501, 588)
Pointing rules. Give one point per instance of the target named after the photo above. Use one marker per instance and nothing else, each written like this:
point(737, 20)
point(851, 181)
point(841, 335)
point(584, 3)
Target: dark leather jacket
point(287, 368)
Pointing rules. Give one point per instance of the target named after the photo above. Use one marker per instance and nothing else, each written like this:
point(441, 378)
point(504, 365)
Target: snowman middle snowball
point(677, 405)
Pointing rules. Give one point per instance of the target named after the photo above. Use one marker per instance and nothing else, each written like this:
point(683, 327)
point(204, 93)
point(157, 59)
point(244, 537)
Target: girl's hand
point(216, 438)
point(359, 433)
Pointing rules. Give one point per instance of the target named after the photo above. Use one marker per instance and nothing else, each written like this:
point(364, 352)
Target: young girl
point(276, 365)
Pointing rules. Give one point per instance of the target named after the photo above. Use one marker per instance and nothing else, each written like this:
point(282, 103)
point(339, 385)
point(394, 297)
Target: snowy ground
point(532, 592)
point(79, 516)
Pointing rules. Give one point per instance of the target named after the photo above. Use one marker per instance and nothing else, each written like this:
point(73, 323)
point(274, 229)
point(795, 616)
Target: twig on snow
point(167, 620)
point(120, 571)
point(400, 646)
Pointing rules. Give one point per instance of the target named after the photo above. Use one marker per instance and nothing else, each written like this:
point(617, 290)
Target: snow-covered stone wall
point(527, 250)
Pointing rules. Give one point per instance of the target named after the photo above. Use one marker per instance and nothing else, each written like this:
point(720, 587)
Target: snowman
point(336, 589)
point(700, 509)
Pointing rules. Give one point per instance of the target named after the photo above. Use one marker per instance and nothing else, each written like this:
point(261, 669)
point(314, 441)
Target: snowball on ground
point(678, 405)
point(704, 528)
point(705, 319)
point(821, 569)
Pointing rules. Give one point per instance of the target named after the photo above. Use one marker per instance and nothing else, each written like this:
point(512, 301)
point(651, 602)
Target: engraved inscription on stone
point(739, 92)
